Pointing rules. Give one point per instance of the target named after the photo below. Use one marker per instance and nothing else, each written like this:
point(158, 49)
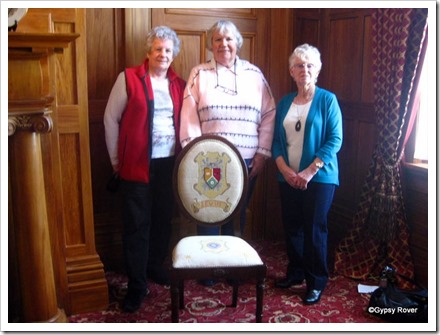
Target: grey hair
point(221, 27)
point(163, 33)
point(307, 53)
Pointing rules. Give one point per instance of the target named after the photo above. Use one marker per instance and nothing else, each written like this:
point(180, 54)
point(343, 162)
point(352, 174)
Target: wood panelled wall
point(415, 185)
point(106, 56)
point(343, 37)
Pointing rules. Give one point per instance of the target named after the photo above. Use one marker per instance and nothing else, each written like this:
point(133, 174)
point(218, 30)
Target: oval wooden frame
point(179, 159)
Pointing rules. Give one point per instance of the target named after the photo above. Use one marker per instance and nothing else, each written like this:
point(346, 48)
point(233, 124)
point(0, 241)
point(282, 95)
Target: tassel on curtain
point(380, 235)
point(385, 209)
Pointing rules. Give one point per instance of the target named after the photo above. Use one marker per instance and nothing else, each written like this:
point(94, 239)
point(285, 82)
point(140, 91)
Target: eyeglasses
point(224, 89)
point(303, 66)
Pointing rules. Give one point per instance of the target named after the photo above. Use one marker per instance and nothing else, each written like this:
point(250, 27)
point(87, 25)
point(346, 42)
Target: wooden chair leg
point(181, 295)
point(174, 303)
point(234, 295)
point(259, 312)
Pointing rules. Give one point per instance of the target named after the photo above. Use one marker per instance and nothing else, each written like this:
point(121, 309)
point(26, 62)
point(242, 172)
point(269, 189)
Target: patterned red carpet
point(340, 303)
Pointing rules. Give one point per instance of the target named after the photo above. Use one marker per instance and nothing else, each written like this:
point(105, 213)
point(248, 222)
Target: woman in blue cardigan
point(307, 138)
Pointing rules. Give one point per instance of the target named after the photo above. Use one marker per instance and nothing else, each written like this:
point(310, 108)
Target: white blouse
point(164, 134)
point(295, 133)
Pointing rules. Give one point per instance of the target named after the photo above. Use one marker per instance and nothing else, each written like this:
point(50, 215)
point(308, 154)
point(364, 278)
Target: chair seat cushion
point(214, 251)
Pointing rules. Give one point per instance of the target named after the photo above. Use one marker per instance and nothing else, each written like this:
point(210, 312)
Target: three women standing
point(229, 97)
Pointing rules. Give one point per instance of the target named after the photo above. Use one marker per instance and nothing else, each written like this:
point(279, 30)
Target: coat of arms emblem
point(212, 180)
point(212, 176)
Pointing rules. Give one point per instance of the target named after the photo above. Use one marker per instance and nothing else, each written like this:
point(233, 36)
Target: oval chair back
point(210, 184)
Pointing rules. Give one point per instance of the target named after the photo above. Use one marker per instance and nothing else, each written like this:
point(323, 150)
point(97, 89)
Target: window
point(421, 126)
point(421, 143)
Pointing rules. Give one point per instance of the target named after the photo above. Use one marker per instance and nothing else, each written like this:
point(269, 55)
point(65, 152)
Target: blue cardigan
point(322, 135)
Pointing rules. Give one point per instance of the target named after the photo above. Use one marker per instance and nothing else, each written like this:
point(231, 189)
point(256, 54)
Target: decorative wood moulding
point(29, 103)
point(57, 41)
point(248, 13)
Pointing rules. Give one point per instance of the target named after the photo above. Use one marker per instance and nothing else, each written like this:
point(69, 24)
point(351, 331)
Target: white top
point(295, 138)
point(116, 104)
point(164, 134)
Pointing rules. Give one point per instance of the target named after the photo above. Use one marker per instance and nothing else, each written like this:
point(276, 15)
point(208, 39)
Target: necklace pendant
point(298, 125)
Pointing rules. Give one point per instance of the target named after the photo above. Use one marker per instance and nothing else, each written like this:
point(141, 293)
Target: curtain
point(379, 235)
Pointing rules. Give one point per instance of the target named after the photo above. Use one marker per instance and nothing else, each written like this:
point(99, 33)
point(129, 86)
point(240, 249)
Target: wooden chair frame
point(234, 273)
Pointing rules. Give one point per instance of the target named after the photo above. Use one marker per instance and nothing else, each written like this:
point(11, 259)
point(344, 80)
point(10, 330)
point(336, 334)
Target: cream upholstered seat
point(210, 184)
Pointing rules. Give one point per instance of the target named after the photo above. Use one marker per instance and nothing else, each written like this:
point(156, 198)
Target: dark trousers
point(304, 215)
point(147, 211)
point(228, 228)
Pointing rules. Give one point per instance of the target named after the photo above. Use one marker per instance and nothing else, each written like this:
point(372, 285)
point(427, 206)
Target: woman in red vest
point(142, 122)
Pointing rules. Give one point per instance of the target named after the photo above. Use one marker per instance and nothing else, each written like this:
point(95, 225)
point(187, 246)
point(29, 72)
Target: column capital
point(39, 121)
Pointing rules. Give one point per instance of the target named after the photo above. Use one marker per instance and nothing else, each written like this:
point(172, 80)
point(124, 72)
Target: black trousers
point(304, 216)
point(147, 210)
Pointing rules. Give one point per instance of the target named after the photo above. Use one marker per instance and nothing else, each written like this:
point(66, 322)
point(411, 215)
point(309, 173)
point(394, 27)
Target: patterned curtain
point(380, 234)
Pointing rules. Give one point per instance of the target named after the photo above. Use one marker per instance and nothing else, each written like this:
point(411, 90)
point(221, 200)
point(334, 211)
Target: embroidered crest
point(212, 180)
point(212, 176)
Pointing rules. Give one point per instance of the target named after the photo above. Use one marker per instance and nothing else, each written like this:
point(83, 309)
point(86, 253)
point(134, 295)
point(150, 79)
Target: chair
point(210, 185)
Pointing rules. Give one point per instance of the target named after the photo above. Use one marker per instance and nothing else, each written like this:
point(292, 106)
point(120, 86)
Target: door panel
point(192, 24)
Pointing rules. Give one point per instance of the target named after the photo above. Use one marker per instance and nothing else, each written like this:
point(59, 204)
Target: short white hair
point(163, 33)
point(221, 27)
point(307, 53)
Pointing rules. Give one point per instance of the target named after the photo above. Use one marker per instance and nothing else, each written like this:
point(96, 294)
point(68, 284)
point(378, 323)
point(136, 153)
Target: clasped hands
point(299, 180)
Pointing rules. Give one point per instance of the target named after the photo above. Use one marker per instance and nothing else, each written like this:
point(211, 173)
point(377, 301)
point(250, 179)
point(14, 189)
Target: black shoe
point(207, 282)
point(287, 282)
point(133, 300)
point(312, 297)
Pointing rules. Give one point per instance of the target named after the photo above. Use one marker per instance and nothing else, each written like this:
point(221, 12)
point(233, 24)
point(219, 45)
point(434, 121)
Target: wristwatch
point(319, 165)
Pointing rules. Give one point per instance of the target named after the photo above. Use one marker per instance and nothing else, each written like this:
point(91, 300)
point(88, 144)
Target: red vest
point(134, 128)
